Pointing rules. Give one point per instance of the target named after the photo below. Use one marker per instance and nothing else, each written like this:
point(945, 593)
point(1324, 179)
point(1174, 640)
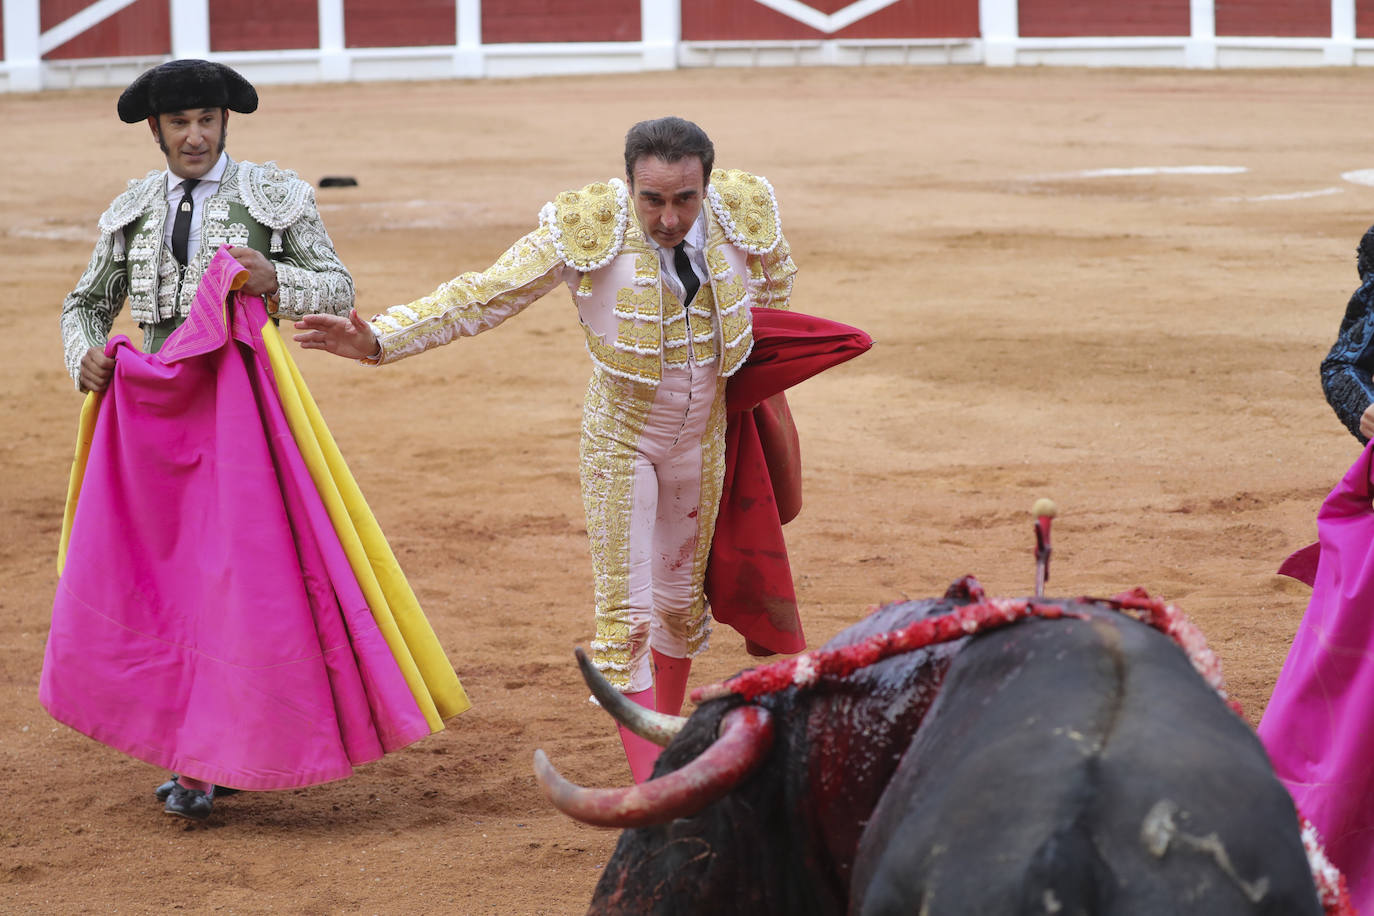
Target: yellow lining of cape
point(427, 670)
point(85, 432)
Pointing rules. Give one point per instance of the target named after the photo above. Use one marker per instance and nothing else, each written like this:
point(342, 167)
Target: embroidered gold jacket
point(256, 206)
point(635, 325)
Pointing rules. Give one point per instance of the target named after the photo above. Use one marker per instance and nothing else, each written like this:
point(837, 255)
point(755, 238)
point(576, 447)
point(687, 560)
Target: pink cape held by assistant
point(227, 607)
point(1319, 725)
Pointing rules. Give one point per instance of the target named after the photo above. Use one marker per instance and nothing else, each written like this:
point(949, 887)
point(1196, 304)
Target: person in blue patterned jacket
point(1347, 372)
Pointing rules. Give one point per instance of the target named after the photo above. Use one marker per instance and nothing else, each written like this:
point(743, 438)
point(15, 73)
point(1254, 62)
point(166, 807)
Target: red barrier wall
point(142, 28)
point(1067, 18)
point(1364, 18)
point(264, 25)
point(52, 12)
point(741, 20)
point(514, 21)
point(1277, 18)
point(399, 23)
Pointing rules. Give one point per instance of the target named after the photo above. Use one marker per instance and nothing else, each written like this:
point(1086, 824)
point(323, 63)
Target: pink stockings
point(639, 752)
point(670, 682)
point(666, 696)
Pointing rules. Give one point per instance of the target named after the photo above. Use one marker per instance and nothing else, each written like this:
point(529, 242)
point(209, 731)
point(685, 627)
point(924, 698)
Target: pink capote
point(207, 620)
point(748, 578)
point(1319, 724)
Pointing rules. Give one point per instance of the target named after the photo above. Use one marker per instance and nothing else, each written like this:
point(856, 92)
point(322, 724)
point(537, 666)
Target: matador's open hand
point(351, 337)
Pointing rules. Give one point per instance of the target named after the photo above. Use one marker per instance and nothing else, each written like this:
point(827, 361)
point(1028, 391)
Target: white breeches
point(652, 463)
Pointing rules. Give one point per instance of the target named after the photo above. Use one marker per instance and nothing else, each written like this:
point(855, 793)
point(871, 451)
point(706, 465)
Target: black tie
point(181, 229)
point(690, 283)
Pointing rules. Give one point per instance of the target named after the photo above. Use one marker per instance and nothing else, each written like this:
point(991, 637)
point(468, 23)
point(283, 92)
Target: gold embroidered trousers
point(652, 463)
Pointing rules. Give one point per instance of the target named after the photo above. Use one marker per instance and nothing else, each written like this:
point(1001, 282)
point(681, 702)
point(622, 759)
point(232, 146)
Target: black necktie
point(690, 283)
point(181, 229)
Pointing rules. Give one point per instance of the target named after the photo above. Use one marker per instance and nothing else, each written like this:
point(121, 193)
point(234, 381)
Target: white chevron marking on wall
point(826, 22)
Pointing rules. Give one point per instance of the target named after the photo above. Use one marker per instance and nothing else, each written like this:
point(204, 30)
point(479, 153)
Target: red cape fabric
point(749, 580)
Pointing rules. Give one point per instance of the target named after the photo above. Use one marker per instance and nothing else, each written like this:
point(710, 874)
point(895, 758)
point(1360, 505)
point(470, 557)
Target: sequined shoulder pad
point(588, 226)
point(747, 209)
point(275, 197)
point(130, 205)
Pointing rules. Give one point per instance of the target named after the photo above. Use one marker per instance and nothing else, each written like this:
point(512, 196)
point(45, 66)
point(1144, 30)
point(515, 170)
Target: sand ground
point(1141, 347)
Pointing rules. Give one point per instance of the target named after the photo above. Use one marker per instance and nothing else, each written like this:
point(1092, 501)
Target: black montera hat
point(182, 85)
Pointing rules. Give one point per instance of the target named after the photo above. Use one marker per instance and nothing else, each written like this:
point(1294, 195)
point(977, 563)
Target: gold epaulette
point(747, 209)
point(588, 226)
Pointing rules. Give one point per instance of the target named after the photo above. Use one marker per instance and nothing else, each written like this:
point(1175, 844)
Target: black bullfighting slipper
point(164, 790)
point(188, 803)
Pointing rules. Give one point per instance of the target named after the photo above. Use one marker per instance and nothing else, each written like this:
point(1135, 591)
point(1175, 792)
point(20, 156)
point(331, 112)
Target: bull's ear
point(657, 727)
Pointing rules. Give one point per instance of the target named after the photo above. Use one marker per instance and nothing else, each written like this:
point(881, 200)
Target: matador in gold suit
point(652, 446)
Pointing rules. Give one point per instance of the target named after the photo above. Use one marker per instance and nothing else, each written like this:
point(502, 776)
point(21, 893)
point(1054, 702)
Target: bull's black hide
point(1082, 767)
point(1067, 767)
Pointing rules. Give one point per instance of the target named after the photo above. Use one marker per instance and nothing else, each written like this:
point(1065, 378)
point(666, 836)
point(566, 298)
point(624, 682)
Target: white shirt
point(696, 254)
point(209, 184)
point(694, 243)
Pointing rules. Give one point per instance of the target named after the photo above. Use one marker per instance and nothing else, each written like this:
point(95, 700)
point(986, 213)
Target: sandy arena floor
point(1140, 346)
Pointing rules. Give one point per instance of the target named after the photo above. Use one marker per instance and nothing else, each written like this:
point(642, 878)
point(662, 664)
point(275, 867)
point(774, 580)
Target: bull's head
point(756, 805)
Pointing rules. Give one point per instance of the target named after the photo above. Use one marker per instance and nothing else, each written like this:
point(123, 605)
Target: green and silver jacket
point(256, 206)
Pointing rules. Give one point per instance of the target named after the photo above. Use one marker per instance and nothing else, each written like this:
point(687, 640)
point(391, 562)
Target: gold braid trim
point(588, 226)
point(747, 209)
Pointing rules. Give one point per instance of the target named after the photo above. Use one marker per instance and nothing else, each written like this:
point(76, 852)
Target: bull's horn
point(658, 727)
point(746, 735)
